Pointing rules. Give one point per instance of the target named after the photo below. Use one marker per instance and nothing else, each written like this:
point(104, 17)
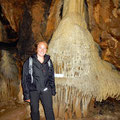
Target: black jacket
point(43, 76)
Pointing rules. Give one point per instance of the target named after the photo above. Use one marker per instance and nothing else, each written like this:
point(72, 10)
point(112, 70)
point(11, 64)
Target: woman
point(42, 86)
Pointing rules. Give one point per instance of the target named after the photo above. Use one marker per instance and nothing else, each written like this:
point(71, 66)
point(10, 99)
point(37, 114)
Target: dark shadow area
point(11, 34)
point(8, 46)
point(86, 14)
point(3, 20)
point(25, 36)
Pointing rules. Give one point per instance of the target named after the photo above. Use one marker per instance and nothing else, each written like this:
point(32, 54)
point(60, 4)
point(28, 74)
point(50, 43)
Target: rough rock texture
point(8, 35)
point(45, 19)
point(75, 56)
point(104, 23)
point(13, 12)
point(39, 13)
point(45, 16)
point(3, 34)
point(9, 81)
point(26, 36)
point(14, 111)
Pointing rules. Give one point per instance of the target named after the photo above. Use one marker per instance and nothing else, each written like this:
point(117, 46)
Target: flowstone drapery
point(81, 74)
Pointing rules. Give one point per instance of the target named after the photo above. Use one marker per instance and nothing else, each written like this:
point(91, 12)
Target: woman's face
point(41, 49)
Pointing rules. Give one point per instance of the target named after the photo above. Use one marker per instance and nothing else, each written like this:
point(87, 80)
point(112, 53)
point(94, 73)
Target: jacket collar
point(46, 57)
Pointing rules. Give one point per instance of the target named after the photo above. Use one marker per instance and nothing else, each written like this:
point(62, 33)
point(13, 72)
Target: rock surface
point(104, 17)
point(105, 110)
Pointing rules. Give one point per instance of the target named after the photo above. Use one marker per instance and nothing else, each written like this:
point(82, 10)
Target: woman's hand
point(27, 100)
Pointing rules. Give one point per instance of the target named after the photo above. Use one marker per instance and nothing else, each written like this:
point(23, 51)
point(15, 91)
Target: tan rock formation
point(82, 75)
point(43, 27)
point(15, 113)
point(9, 83)
point(53, 18)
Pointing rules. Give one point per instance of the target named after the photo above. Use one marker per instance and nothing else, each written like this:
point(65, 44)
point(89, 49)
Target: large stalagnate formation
point(82, 73)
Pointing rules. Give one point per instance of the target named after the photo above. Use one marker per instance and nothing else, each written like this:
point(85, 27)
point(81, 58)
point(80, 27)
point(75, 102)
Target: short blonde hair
point(37, 43)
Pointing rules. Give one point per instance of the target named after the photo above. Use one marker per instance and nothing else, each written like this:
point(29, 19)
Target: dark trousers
point(46, 100)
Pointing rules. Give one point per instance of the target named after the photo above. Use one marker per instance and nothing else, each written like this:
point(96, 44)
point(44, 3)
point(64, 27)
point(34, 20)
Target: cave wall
point(104, 17)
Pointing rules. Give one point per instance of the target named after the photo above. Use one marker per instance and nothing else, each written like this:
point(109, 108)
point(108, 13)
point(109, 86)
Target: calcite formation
point(81, 75)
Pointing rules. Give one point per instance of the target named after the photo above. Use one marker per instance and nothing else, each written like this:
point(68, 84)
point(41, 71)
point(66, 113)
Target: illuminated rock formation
point(81, 74)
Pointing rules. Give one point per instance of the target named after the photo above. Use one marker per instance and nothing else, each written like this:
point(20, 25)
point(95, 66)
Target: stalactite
point(67, 102)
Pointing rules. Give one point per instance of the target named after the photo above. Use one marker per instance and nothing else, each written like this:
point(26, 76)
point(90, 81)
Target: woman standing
point(42, 85)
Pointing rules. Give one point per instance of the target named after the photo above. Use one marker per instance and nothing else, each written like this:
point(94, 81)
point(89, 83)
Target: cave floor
point(105, 110)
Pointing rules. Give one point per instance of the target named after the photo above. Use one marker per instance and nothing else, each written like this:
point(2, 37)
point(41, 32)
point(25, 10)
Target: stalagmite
point(8, 76)
point(81, 74)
